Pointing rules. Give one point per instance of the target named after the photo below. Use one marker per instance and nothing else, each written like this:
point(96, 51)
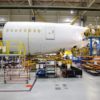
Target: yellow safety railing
point(16, 47)
point(21, 48)
point(7, 47)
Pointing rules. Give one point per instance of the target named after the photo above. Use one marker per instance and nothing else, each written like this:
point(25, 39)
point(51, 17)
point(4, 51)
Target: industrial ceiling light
point(68, 20)
point(72, 11)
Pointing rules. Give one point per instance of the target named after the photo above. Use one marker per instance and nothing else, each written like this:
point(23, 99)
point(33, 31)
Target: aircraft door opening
point(50, 33)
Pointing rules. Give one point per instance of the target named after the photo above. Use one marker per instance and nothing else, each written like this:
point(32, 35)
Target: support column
point(91, 48)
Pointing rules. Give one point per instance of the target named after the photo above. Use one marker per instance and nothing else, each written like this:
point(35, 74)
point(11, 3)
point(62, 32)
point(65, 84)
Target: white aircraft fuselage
point(43, 37)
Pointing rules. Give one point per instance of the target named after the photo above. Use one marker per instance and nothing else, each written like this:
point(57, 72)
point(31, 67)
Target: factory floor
point(85, 88)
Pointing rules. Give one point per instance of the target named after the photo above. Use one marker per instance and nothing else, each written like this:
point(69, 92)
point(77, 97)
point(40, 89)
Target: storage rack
point(47, 69)
point(92, 65)
point(50, 67)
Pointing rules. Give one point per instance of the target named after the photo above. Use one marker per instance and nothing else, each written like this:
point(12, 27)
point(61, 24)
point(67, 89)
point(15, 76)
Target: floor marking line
point(21, 90)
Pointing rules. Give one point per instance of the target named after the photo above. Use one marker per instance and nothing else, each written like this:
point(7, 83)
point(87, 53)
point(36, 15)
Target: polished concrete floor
point(85, 88)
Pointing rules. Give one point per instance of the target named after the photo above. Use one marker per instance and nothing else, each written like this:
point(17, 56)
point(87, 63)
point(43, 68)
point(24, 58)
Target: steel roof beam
point(50, 8)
